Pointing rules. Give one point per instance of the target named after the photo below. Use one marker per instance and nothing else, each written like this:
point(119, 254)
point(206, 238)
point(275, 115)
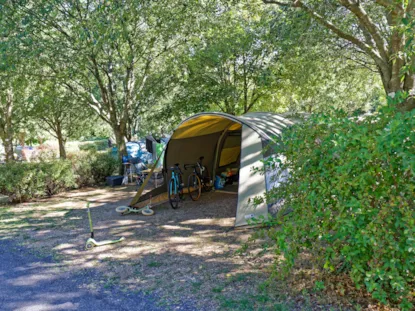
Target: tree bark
point(408, 86)
point(8, 148)
point(120, 134)
point(61, 141)
point(7, 127)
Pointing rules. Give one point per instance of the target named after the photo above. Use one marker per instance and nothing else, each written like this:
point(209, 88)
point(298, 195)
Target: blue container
point(114, 180)
point(219, 182)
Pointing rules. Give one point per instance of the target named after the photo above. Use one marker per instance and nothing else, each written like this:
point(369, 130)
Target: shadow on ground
point(182, 256)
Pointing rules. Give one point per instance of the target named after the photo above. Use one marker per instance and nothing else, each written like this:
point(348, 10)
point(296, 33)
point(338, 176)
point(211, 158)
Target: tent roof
point(267, 124)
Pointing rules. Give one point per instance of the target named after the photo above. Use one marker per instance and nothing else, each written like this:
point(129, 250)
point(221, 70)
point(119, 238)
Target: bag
point(219, 182)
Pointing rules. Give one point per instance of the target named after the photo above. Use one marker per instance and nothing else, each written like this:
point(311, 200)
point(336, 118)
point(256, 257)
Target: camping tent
point(227, 141)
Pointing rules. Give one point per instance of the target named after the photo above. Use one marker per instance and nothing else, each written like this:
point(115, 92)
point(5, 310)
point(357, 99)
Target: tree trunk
point(408, 85)
point(120, 135)
point(8, 147)
point(8, 128)
point(61, 141)
point(408, 105)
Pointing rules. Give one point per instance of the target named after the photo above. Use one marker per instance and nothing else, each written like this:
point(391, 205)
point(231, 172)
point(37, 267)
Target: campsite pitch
point(184, 257)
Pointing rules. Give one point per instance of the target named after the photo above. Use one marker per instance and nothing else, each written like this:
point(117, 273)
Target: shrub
point(349, 200)
point(104, 165)
point(44, 153)
point(25, 181)
point(98, 145)
point(88, 147)
point(92, 168)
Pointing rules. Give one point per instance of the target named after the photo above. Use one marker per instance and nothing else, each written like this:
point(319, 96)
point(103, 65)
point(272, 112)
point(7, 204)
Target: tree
point(106, 52)
point(234, 65)
point(12, 85)
point(60, 113)
point(373, 28)
point(6, 121)
point(313, 80)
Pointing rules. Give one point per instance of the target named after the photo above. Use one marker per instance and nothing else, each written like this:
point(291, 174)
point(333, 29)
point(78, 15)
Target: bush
point(98, 145)
point(349, 200)
point(25, 181)
point(44, 153)
point(92, 168)
point(88, 147)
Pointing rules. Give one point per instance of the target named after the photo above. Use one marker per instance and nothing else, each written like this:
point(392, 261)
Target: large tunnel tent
point(228, 141)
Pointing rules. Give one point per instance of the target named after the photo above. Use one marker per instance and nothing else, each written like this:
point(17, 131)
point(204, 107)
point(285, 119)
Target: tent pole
point(215, 161)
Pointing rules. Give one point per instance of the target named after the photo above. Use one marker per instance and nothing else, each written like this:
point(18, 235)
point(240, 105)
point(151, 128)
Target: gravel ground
point(183, 259)
point(28, 282)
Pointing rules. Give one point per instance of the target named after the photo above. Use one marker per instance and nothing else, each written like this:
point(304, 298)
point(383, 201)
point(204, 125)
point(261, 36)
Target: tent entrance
point(226, 142)
point(228, 160)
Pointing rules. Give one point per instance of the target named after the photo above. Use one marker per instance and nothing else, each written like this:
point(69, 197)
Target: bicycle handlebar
point(195, 164)
point(176, 167)
point(189, 165)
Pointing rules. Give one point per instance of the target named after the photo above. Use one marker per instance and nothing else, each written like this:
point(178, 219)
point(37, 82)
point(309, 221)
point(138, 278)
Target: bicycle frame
point(176, 182)
point(199, 169)
point(175, 174)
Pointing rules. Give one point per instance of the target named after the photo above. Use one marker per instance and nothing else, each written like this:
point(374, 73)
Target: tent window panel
point(232, 141)
point(229, 155)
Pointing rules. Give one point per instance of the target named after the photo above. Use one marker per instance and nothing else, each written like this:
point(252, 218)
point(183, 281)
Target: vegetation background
point(76, 69)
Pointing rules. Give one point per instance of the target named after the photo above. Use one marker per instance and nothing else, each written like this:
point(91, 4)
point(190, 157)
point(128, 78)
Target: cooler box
point(114, 180)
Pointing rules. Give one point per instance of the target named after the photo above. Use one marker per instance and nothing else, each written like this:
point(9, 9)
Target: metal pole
point(90, 221)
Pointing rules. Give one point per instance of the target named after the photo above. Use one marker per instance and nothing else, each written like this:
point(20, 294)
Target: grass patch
point(111, 282)
point(155, 264)
point(196, 286)
point(218, 289)
point(252, 302)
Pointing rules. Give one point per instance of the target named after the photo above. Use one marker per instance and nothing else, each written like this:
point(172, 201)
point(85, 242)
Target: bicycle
point(175, 186)
point(140, 176)
point(199, 179)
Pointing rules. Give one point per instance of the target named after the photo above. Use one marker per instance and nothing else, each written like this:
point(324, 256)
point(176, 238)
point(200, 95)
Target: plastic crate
point(114, 180)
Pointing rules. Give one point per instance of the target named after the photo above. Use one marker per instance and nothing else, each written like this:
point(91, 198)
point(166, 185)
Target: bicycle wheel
point(194, 186)
point(180, 190)
point(174, 196)
point(205, 179)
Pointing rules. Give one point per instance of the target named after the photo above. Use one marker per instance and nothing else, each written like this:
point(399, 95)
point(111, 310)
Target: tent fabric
point(223, 139)
point(203, 125)
point(268, 125)
point(231, 149)
point(250, 185)
point(189, 150)
point(229, 155)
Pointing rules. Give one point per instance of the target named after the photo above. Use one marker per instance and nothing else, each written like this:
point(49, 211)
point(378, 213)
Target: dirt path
point(28, 282)
point(176, 255)
point(187, 258)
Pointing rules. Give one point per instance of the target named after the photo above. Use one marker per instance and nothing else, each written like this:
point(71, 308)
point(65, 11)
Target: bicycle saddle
point(201, 158)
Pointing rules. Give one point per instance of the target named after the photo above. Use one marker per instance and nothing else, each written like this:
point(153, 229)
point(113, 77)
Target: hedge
point(349, 200)
point(91, 168)
point(25, 181)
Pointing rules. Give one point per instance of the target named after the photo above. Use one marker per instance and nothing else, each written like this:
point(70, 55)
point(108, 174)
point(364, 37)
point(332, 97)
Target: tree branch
point(320, 19)
point(369, 25)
